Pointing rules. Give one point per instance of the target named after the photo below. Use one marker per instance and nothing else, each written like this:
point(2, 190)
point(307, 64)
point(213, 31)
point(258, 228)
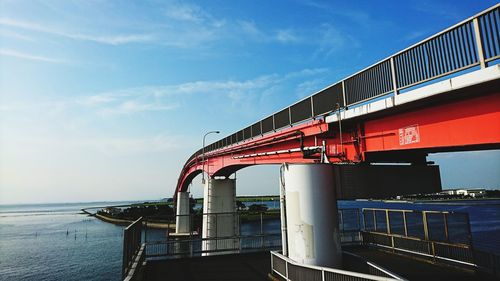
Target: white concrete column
point(219, 218)
point(182, 223)
point(312, 215)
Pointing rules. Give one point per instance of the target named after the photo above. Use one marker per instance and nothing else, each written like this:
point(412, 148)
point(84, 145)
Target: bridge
point(366, 136)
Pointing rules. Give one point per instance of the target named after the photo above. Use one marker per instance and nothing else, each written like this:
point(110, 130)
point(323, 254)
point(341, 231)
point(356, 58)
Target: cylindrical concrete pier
point(182, 222)
point(219, 217)
point(311, 215)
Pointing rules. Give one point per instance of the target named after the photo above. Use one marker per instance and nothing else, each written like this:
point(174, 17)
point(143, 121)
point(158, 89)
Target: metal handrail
point(190, 243)
point(132, 238)
point(345, 274)
point(430, 251)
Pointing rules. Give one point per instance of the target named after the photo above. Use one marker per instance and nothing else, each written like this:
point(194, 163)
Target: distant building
point(472, 192)
point(112, 210)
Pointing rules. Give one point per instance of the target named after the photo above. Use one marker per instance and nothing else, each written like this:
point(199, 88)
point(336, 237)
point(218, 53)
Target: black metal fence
point(132, 241)
point(470, 43)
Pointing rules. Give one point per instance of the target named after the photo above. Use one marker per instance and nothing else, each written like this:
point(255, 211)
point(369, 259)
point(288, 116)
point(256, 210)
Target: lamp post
point(203, 157)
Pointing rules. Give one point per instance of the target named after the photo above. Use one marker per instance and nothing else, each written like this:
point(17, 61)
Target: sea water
point(57, 242)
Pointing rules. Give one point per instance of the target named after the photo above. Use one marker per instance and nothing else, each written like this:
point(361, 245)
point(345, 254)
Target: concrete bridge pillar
point(312, 231)
point(183, 220)
point(219, 215)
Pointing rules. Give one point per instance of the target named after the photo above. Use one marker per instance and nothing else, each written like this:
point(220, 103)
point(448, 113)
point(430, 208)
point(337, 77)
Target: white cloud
point(250, 28)
point(287, 36)
point(103, 39)
point(32, 57)
point(170, 97)
point(95, 100)
point(185, 12)
point(129, 145)
point(15, 35)
point(414, 36)
point(132, 106)
point(308, 87)
point(332, 40)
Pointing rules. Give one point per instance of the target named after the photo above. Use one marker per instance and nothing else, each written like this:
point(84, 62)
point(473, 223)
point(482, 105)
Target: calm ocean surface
point(56, 242)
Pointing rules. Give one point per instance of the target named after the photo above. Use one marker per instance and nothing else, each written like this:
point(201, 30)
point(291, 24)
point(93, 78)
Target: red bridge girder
point(470, 123)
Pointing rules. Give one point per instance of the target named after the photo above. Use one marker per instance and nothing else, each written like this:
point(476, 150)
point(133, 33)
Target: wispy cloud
point(414, 36)
point(125, 145)
point(131, 145)
point(308, 87)
point(132, 106)
point(287, 36)
point(103, 39)
point(32, 57)
point(448, 11)
point(187, 12)
point(161, 98)
point(332, 40)
point(15, 35)
point(251, 30)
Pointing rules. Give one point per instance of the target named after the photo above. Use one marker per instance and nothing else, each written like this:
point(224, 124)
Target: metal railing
point(223, 227)
point(176, 248)
point(437, 250)
point(439, 235)
point(350, 226)
point(470, 43)
point(132, 241)
point(444, 226)
point(291, 270)
point(216, 222)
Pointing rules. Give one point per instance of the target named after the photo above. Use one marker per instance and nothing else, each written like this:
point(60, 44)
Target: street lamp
point(203, 157)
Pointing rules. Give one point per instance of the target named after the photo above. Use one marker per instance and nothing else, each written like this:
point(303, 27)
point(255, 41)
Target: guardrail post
point(286, 270)
point(261, 231)
point(289, 117)
point(404, 223)
point(191, 250)
point(272, 263)
point(446, 235)
point(387, 222)
point(393, 75)
point(343, 93)
point(479, 43)
point(433, 251)
point(426, 227)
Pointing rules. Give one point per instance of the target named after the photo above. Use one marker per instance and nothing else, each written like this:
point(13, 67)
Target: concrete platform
point(257, 266)
point(245, 267)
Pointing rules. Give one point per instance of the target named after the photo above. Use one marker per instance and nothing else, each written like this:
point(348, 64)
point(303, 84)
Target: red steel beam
point(455, 125)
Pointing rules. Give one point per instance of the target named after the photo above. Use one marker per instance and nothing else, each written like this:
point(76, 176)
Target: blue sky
point(104, 100)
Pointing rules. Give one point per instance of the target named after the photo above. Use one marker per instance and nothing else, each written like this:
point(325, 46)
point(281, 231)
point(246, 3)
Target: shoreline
point(125, 222)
